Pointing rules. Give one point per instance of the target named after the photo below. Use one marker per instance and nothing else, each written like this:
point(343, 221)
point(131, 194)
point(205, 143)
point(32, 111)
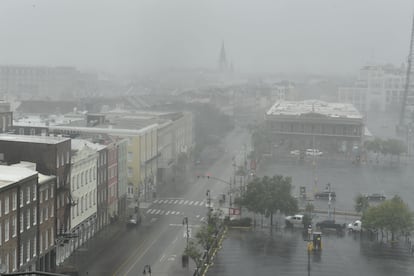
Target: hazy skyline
point(317, 36)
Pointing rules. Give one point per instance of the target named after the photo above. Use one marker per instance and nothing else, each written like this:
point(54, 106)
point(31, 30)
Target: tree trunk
point(271, 220)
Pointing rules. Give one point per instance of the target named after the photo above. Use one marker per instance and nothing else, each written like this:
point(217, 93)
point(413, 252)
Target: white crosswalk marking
point(156, 201)
point(168, 212)
point(202, 219)
point(170, 201)
point(177, 213)
point(158, 211)
point(181, 201)
point(191, 203)
point(149, 210)
point(197, 203)
point(153, 211)
point(197, 216)
point(172, 212)
point(162, 212)
point(185, 202)
point(175, 202)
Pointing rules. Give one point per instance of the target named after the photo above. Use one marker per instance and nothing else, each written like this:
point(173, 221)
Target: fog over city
point(318, 36)
point(206, 137)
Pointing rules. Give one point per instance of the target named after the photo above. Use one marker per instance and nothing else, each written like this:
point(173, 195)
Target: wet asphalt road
point(283, 252)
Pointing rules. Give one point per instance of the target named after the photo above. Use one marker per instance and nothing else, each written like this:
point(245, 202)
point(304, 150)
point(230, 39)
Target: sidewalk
point(90, 251)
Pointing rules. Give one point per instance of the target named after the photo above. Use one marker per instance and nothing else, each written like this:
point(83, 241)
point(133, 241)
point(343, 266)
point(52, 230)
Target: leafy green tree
point(268, 195)
point(194, 252)
point(395, 147)
point(392, 216)
point(361, 203)
point(261, 141)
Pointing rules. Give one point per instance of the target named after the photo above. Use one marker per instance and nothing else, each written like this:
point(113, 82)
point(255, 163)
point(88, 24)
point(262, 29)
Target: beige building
point(313, 124)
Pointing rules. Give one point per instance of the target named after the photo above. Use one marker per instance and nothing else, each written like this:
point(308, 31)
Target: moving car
point(294, 221)
point(314, 152)
point(325, 195)
point(295, 152)
point(355, 226)
point(330, 224)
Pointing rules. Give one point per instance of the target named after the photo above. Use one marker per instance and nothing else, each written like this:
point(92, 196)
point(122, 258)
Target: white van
point(295, 221)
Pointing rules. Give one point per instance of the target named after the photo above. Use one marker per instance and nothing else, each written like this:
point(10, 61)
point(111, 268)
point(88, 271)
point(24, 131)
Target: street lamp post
point(185, 222)
point(208, 194)
point(147, 269)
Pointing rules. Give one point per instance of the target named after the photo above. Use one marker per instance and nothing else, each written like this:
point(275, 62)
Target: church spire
point(222, 58)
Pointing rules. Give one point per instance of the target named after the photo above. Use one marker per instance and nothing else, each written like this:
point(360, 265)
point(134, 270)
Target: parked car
point(376, 197)
point(294, 221)
point(314, 152)
point(295, 152)
point(325, 195)
point(355, 226)
point(330, 224)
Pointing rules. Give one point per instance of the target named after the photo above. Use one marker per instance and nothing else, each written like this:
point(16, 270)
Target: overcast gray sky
point(319, 36)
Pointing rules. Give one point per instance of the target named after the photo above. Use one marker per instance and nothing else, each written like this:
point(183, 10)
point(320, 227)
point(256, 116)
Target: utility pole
point(185, 222)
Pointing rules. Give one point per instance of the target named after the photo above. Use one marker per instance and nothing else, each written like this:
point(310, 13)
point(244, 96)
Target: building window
point(41, 216)
point(13, 226)
point(34, 246)
point(77, 209)
point(14, 201)
point(1, 208)
point(51, 191)
point(21, 253)
point(21, 197)
point(6, 230)
point(35, 215)
point(28, 251)
point(1, 237)
point(28, 219)
point(41, 243)
point(129, 172)
point(34, 190)
point(28, 195)
point(21, 222)
point(6, 205)
point(51, 236)
point(52, 212)
point(67, 157)
point(129, 156)
point(46, 194)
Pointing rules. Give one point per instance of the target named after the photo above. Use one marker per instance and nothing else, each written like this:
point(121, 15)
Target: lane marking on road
point(172, 212)
point(191, 203)
point(175, 202)
point(170, 201)
point(149, 210)
point(185, 202)
point(156, 201)
point(177, 213)
point(168, 212)
point(158, 211)
point(181, 201)
point(197, 216)
point(162, 212)
point(153, 211)
point(162, 258)
point(139, 257)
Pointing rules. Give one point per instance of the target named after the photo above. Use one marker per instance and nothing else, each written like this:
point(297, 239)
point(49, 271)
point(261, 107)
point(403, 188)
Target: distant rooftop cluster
point(298, 108)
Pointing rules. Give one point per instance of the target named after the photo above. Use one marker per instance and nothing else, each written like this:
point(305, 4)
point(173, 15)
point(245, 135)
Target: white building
point(84, 190)
point(377, 88)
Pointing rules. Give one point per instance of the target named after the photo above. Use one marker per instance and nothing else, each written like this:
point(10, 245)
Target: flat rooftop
point(298, 108)
point(33, 139)
point(13, 174)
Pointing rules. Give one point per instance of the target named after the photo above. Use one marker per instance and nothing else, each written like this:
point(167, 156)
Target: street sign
point(234, 211)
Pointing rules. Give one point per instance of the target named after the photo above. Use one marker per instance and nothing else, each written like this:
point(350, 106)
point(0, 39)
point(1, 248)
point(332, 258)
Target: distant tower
point(222, 59)
point(407, 101)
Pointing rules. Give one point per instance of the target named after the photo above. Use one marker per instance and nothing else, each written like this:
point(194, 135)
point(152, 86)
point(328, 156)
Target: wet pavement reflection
point(283, 252)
